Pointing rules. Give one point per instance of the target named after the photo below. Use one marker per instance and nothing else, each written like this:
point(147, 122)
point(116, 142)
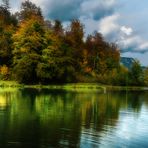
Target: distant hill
point(127, 62)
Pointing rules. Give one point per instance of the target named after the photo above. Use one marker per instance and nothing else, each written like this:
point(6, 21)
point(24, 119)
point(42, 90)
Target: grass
point(127, 88)
point(9, 84)
point(73, 86)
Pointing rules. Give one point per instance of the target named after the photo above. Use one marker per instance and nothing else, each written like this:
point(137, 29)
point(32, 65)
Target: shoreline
point(74, 86)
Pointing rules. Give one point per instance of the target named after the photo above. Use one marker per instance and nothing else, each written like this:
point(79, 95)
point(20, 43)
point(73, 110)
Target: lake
point(42, 118)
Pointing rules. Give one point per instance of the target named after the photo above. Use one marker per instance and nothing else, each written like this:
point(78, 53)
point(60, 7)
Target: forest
point(34, 50)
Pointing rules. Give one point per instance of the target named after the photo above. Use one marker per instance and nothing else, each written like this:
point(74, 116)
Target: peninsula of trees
point(38, 51)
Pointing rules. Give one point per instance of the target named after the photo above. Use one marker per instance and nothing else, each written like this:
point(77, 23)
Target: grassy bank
point(126, 88)
point(4, 84)
point(70, 86)
point(73, 86)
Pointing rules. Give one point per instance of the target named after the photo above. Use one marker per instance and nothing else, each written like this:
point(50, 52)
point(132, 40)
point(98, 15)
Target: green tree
point(136, 74)
point(146, 76)
point(55, 65)
point(24, 70)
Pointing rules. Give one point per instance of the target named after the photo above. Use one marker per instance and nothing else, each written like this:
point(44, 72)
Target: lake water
point(31, 118)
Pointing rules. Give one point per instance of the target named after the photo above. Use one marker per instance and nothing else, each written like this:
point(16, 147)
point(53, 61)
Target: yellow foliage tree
point(4, 72)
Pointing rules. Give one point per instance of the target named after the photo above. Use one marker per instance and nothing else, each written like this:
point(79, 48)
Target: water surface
point(31, 118)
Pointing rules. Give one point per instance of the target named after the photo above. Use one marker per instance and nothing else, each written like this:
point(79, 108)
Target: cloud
point(66, 10)
point(69, 9)
point(144, 45)
point(129, 43)
point(97, 9)
point(133, 43)
point(127, 30)
point(124, 36)
point(108, 25)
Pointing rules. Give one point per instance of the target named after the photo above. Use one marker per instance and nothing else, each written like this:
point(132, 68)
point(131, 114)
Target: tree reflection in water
point(42, 118)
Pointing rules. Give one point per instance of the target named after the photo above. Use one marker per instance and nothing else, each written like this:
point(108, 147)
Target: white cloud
point(133, 43)
point(129, 42)
point(127, 30)
point(109, 24)
point(124, 36)
point(144, 45)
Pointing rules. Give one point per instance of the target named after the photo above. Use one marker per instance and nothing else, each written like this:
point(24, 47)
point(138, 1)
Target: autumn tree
point(29, 10)
point(4, 72)
point(101, 56)
point(7, 28)
point(58, 28)
point(55, 64)
point(95, 44)
point(74, 39)
point(28, 43)
point(112, 56)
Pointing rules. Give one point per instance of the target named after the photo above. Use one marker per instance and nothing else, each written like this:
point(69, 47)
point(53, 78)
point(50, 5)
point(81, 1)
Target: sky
point(122, 21)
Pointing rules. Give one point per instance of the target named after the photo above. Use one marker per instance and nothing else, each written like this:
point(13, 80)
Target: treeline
point(38, 51)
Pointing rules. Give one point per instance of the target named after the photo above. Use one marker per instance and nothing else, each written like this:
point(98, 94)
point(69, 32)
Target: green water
point(31, 118)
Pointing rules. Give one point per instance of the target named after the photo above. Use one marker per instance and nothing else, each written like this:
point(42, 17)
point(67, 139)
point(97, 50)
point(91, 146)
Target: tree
point(28, 43)
point(113, 56)
point(136, 74)
point(74, 39)
point(122, 76)
point(58, 28)
point(6, 46)
point(55, 65)
point(4, 72)
point(7, 28)
point(29, 36)
point(6, 4)
point(101, 56)
point(29, 10)
point(24, 69)
point(146, 76)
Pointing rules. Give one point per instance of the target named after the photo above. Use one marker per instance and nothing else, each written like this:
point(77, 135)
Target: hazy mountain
point(127, 62)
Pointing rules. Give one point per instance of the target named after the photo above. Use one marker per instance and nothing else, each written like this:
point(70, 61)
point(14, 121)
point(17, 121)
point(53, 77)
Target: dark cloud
point(66, 10)
point(63, 10)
